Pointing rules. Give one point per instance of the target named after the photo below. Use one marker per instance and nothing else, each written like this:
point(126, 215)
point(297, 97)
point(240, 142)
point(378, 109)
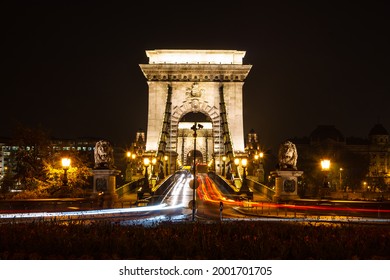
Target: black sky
point(73, 66)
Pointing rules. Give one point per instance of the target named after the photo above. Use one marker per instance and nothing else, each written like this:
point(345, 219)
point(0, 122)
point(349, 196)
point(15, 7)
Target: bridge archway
point(185, 138)
point(190, 157)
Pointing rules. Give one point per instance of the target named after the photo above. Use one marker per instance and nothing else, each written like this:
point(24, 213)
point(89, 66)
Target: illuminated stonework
point(195, 77)
point(195, 56)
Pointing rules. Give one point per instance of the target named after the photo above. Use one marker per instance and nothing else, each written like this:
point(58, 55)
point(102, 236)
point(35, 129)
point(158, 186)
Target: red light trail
point(209, 192)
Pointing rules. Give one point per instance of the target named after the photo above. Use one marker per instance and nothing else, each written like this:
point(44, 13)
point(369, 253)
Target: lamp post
point(129, 174)
point(65, 165)
point(244, 162)
point(261, 168)
point(229, 169)
point(195, 127)
point(154, 161)
point(133, 164)
point(340, 179)
point(166, 165)
point(244, 186)
point(237, 162)
point(224, 165)
point(325, 166)
point(146, 163)
point(145, 187)
point(256, 164)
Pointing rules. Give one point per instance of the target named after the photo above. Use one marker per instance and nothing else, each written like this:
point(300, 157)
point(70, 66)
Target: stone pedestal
point(104, 184)
point(286, 184)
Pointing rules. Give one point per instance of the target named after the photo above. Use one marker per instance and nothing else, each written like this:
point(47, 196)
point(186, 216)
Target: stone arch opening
point(183, 135)
point(190, 157)
point(195, 117)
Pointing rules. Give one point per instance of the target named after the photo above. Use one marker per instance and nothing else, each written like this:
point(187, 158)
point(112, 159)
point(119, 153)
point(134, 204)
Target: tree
point(38, 167)
point(6, 183)
point(33, 147)
point(78, 174)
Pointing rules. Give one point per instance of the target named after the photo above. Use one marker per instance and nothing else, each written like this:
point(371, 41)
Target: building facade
point(9, 150)
point(356, 163)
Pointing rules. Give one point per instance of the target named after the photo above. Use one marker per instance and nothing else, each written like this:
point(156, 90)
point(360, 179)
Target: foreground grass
point(228, 240)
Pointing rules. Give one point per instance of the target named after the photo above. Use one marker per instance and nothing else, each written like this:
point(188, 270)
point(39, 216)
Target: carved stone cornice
point(195, 72)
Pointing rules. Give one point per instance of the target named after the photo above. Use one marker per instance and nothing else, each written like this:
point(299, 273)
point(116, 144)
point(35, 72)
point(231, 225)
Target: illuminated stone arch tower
point(205, 81)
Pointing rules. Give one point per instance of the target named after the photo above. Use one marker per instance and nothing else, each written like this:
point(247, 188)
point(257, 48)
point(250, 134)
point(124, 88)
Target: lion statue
point(287, 156)
point(104, 154)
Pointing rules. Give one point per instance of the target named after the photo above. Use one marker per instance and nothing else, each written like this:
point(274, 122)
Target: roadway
point(175, 204)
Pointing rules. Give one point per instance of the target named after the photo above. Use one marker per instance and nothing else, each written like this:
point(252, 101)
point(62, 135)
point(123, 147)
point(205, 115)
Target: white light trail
point(89, 212)
point(174, 194)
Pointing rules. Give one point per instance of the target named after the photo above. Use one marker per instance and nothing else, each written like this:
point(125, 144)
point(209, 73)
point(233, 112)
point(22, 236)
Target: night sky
point(72, 67)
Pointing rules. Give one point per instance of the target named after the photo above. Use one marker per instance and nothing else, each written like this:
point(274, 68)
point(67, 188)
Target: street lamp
point(244, 162)
point(166, 165)
point(145, 188)
point(129, 171)
point(146, 163)
point(340, 179)
point(224, 165)
point(261, 155)
point(195, 127)
point(65, 165)
point(261, 168)
point(214, 163)
point(325, 166)
point(133, 164)
point(154, 161)
point(244, 186)
point(237, 162)
point(256, 169)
